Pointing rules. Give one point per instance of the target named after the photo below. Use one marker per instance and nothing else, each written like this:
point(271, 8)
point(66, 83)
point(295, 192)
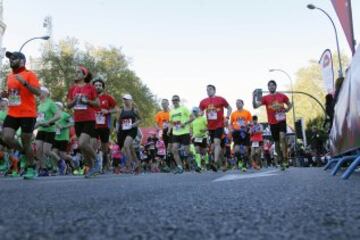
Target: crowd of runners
point(41, 137)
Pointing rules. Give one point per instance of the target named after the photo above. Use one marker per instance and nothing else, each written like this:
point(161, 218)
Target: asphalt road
point(301, 203)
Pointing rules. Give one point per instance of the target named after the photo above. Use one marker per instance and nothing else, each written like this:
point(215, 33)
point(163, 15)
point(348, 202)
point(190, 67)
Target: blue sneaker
point(43, 173)
point(178, 170)
point(92, 172)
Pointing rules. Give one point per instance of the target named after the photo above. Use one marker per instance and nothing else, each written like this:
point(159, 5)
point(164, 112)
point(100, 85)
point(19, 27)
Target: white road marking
point(231, 177)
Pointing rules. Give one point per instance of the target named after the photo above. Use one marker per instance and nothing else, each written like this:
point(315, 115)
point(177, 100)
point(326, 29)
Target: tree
point(57, 72)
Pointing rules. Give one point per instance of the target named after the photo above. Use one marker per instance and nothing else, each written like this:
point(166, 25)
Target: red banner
point(343, 11)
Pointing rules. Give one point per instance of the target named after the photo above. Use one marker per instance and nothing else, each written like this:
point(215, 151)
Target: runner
point(214, 110)
point(22, 87)
point(199, 137)
point(180, 119)
point(162, 124)
point(256, 138)
point(82, 97)
point(276, 113)
point(240, 120)
point(129, 121)
point(62, 138)
point(103, 119)
point(47, 115)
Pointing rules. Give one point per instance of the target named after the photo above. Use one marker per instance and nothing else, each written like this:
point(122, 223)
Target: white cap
point(45, 90)
point(127, 97)
point(5, 100)
point(59, 104)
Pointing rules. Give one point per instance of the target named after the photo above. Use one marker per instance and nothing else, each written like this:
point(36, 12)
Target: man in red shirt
point(276, 111)
point(107, 107)
point(214, 110)
point(22, 87)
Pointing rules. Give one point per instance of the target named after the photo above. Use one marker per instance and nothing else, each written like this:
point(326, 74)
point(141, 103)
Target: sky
point(178, 47)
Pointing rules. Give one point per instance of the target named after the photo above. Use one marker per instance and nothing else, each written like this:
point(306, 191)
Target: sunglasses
point(175, 100)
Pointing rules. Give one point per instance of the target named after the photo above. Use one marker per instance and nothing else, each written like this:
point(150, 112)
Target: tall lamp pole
point(34, 38)
point(312, 7)
point(292, 100)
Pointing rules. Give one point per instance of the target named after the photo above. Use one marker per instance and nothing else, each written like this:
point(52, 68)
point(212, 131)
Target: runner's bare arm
point(256, 104)
point(289, 106)
point(229, 111)
point(71, 103)
point(34, 90)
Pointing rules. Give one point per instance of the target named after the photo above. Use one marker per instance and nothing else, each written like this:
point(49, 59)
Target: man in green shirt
point(48, 114)
point(199, 129)
point(180, 119)
point(62, 137)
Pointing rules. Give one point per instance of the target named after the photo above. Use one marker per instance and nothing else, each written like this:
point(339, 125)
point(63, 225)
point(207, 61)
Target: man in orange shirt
point(240, 132)
point(22, 86)
point(162, 122)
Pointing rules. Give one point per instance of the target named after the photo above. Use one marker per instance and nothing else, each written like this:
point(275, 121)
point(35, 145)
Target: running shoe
point(30, 174)
point(179, 170)
point(92, 172)
point(213, 167)
point(44, 173)
point(283, 167)
point(198, 169)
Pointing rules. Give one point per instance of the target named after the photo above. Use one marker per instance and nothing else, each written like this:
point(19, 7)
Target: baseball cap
point(45, 90)
point(59, 104)
point(127, 97)
point(17, 55)
point(196, 109)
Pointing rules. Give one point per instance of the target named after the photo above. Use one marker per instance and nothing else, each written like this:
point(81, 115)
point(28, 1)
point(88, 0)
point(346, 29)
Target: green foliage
point(57, 72)
point(317, 122)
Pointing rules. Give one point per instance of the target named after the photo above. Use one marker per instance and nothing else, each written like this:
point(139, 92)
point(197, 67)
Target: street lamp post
point(312, 7)
point(292, 100)
point(34, 38)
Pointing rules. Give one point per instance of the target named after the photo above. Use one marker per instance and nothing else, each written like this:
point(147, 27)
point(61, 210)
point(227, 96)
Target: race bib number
point(212, 115)
point(198, 140)
point(79, 105)
point(280, 116)
point(126, 124)
point(177, 125)
point(40, 117)
point(255, 144)
point(165, 125)
point(14, 97)
point(241, 123)
point(57, 131)
point(100, 119)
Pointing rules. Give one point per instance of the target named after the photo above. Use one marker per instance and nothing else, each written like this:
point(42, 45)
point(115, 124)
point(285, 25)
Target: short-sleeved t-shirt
point(240, 118)
point(256, 133)
point(214, 110)
point(162, 119)
point(179, 116)
point(83, 112)
point(22, 102)
point(46, 111)
point(63, 134)
point(199, 127)
point(106, 102)
point(272, 102)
